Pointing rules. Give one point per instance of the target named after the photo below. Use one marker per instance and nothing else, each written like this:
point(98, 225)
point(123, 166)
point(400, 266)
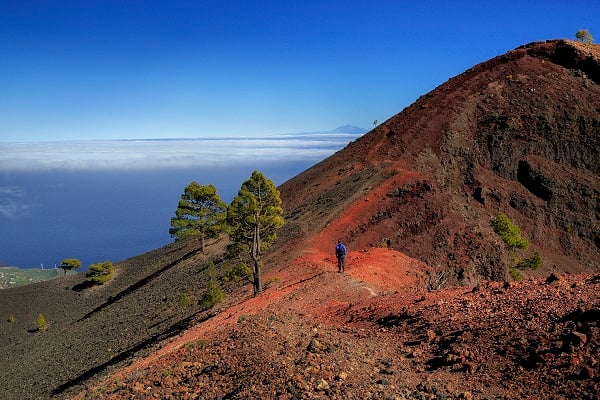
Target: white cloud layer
point(173, 153)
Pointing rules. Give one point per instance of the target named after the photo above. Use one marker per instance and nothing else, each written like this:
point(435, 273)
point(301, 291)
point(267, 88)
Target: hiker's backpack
point(340, 250)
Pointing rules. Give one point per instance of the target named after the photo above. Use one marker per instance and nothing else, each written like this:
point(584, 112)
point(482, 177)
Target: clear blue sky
point(152, 69)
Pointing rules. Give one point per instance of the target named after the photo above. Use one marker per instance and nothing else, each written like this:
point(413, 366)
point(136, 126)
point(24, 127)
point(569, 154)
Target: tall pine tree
point(200, 213)
point(254, 216)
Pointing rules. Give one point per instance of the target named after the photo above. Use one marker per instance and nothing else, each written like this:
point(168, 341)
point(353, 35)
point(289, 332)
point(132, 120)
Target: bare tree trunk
point(256, 259)
point(257, 278)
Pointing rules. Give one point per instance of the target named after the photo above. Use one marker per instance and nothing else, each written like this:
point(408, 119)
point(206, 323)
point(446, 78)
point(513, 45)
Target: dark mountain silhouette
point(414, 200)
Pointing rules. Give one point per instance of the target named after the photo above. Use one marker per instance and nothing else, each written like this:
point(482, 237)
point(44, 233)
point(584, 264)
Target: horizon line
point(274, 136)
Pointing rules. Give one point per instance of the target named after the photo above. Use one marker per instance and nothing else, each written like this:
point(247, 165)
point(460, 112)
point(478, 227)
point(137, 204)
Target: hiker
point(340, 253)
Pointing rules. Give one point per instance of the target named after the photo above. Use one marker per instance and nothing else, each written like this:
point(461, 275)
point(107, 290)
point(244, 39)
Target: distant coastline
point(13, 276)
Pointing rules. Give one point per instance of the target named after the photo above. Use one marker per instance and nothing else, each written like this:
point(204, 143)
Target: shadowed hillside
point(93, 329)
point(414, 200)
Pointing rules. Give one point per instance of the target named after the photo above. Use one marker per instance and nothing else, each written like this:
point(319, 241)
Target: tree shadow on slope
point(137, 285)
point(171, 331)
point(82, 286)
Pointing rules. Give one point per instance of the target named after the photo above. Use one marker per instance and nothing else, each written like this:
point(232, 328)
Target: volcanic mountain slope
point(413, 198)
point(518, 134)
point(92, 329)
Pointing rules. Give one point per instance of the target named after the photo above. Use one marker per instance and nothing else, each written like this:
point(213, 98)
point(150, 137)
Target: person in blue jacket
point(340, 253)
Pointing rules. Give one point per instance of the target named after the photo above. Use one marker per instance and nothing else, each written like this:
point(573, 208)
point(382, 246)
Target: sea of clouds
point(113, 199)
point(168, 153)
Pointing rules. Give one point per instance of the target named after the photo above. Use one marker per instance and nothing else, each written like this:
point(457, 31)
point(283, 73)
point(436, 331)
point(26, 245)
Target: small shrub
point(517, 266)
point(241, 318)
point(515, 273)
point(11, 319)
point(532, 263)
point(213, 294)
point(99, 273)
point(238, 272)
point(235, 250)
point(584, 36)
point(42, 325)
point(509, 232)
point(119, 384)
point(271, 281)
point(195, 344)
point(184, 301)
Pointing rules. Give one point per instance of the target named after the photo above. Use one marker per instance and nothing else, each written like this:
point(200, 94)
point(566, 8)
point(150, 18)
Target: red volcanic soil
point(373, 332)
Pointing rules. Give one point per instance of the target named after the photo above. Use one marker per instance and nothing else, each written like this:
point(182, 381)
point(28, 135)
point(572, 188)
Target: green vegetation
point(69, 264)
point(41, 323)
point(584, 36)
point(511, 235)
point(11, 319)
point(200, 213)
point(271, 281)
point(251, 220)
point(213, 294)
point(509, 232)
point(184, 301)
point(13, 276)
point(193, 344)
point(515, 273)
point(235, 250)
point(532, 263)
point(99, 273)
point(254, 217)
point(238, 272)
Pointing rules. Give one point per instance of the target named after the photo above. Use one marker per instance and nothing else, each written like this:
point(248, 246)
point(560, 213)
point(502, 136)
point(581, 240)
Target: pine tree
point(254, 217)
point(70, 263)
point(200, 213)
point(584, 36)
point(213, 294)
point(99, 273)
point(41, 323)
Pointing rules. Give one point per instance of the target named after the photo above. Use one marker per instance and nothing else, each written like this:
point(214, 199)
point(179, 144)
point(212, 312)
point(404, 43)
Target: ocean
point(111, 200)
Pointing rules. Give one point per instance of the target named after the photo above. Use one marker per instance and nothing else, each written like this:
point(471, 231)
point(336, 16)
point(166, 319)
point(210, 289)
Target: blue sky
point(77, 70)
